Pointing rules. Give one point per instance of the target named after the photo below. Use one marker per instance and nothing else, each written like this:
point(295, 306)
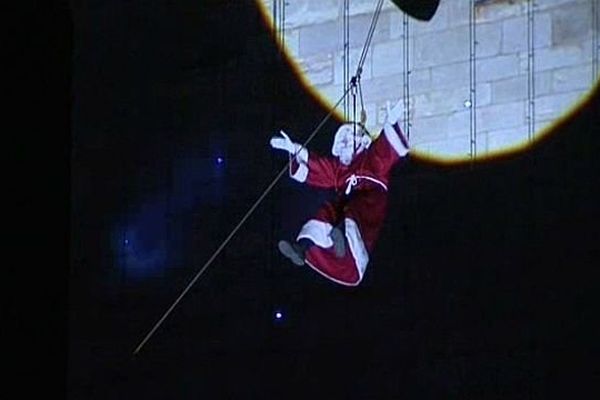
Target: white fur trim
point(357, 247)
point(392, 137)
point(318, 232)
point(302, 171)
point(331, 278)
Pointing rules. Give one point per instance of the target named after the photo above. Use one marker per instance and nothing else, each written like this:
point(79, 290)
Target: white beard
point(346, 157)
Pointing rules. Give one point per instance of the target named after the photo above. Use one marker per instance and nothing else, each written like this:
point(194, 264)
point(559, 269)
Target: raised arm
point(392, 131)
point(391, 145)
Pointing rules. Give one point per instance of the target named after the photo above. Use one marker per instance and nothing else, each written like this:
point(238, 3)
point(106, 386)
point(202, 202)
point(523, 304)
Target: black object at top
point(422, 10)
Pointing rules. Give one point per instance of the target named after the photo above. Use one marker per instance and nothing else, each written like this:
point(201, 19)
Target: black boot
point(339, 243)
point(294, 251)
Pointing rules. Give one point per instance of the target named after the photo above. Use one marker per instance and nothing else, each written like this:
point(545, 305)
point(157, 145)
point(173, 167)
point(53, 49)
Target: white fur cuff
point(394, 139)
point(318, 232)
point(301, 172)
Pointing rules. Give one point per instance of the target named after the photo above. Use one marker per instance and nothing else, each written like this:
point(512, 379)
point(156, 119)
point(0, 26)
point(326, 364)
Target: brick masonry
point(439, 66)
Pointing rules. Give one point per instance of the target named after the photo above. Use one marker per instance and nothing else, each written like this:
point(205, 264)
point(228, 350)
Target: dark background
point(483, 284)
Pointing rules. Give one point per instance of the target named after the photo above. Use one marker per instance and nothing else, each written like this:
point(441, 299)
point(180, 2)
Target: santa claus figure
point(337, 241)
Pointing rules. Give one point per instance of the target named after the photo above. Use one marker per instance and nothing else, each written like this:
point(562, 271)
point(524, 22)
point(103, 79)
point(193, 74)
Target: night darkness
point(483, 283)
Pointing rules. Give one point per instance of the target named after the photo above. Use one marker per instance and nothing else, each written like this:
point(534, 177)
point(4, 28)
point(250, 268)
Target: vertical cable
point(275, 21)
point(530, 70)
point(354, 116)
point(367, 45)
point(279, 23)
point(282, 24)
point(406, 74)
point(279, 29)
point(283, 5)
point(595, 44)
point(472, 81)
point(346, 52)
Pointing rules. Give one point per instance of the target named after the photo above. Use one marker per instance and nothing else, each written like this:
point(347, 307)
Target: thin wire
point(234, 231)
point(365, 49)
point(354, 117)
point(275, 26)
point(530, 70)
point(271, 185)
point(406, 74)
point(473, 80)
point(595, 47)
point(283, 4)
point(355, 81)
point(346, 53)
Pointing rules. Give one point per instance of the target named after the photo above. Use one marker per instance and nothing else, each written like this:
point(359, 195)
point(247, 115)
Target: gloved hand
point(284, 143)
point(394, 114)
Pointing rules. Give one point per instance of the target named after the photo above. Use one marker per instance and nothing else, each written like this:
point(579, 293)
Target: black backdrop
point(482, 285)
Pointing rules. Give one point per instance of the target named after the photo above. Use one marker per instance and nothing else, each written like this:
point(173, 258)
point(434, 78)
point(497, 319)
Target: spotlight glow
point(443, 131)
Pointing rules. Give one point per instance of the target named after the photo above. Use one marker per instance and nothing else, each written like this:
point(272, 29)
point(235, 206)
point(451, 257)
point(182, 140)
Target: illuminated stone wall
point(439, 79)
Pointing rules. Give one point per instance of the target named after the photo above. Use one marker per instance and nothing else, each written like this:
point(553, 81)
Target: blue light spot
point(126, 241)
point(220, 160)
point(278, 315)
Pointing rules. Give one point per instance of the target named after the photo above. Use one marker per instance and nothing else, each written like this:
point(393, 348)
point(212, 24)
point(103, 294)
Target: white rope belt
point(352, 181)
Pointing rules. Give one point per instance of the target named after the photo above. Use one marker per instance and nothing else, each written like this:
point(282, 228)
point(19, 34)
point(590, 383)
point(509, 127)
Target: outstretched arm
point(306, 167)
point(300, 163)
point(285, 143)
point(391, 145)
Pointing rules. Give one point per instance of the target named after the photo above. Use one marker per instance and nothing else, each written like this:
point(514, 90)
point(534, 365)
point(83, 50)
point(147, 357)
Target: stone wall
point(439, 66)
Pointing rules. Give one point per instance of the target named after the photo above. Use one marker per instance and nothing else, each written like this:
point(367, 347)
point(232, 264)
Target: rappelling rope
point(271, 185)
point(234, 231)
point(355, 82)
point(367, 44)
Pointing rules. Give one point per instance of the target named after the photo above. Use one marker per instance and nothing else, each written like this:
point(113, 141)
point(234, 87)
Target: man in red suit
point(337, 241)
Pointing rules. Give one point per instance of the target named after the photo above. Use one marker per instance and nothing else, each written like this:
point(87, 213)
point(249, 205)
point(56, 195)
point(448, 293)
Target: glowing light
point(126, 241)
point(551, 110)
point(278, 315)
point(220, 160)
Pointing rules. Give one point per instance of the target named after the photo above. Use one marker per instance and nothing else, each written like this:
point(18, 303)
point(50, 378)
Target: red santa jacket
point(371, 167)
point(363, 215)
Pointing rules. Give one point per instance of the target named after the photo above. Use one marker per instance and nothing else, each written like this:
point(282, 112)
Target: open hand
point(393, 114)
point(284, 143)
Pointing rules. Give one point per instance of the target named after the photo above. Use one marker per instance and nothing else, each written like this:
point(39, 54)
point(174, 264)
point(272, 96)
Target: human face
point(346, 145)
point(346, 150)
